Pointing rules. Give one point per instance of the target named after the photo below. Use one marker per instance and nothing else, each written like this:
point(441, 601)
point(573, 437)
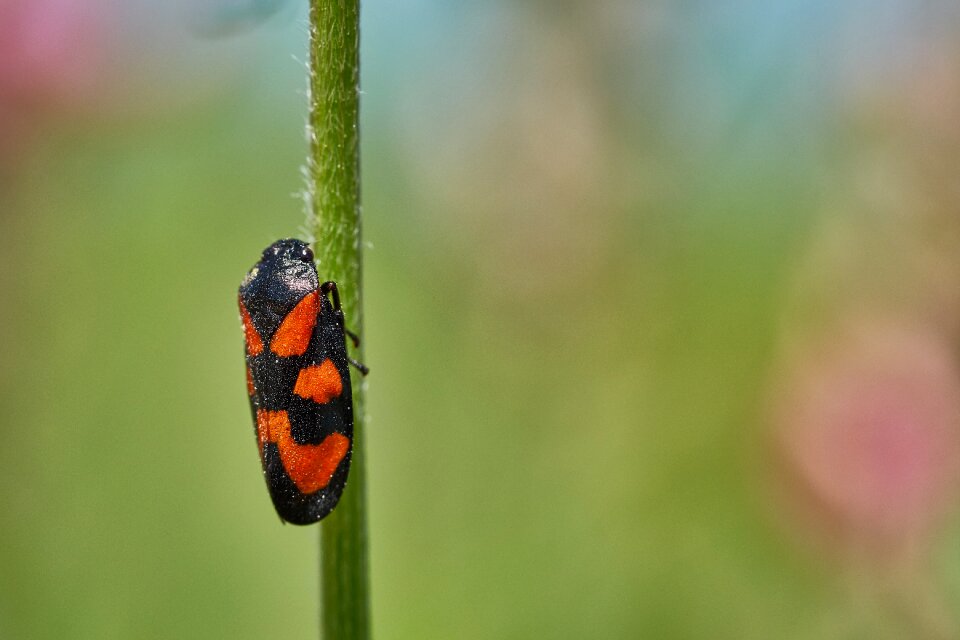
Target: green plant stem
point(334, 209)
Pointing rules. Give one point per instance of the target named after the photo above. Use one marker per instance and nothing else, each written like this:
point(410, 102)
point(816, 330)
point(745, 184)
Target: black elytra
point(298, 381)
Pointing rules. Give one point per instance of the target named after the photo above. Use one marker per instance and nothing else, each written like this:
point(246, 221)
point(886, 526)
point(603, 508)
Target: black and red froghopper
point(298, 381)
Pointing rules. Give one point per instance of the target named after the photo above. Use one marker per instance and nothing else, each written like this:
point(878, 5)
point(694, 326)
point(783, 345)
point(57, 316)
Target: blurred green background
point(662, 308)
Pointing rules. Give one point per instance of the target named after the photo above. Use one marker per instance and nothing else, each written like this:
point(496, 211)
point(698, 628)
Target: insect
point(298, 381)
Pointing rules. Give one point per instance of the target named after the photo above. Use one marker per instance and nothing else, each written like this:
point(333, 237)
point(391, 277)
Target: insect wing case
point(297, 381)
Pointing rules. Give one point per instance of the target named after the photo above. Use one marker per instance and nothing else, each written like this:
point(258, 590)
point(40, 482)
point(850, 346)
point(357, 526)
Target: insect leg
point(331, 287)
point(362, 368)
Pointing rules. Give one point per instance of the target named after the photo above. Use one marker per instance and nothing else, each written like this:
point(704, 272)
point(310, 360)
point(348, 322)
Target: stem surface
point(334, 220)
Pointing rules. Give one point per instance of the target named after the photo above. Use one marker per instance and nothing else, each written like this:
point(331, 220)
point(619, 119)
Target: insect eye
point(306, 254)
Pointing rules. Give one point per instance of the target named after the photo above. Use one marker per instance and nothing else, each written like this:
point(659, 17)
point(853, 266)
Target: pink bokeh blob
point(869, 424)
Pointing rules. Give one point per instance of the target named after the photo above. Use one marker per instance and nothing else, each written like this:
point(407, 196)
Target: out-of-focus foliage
point(662, 309)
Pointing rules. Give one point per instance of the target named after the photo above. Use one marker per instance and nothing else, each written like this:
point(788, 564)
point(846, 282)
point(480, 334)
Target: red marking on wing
point(310, 466)
point(319, 383)
point(250, 335)
point(263, 427)
point(293, 336)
